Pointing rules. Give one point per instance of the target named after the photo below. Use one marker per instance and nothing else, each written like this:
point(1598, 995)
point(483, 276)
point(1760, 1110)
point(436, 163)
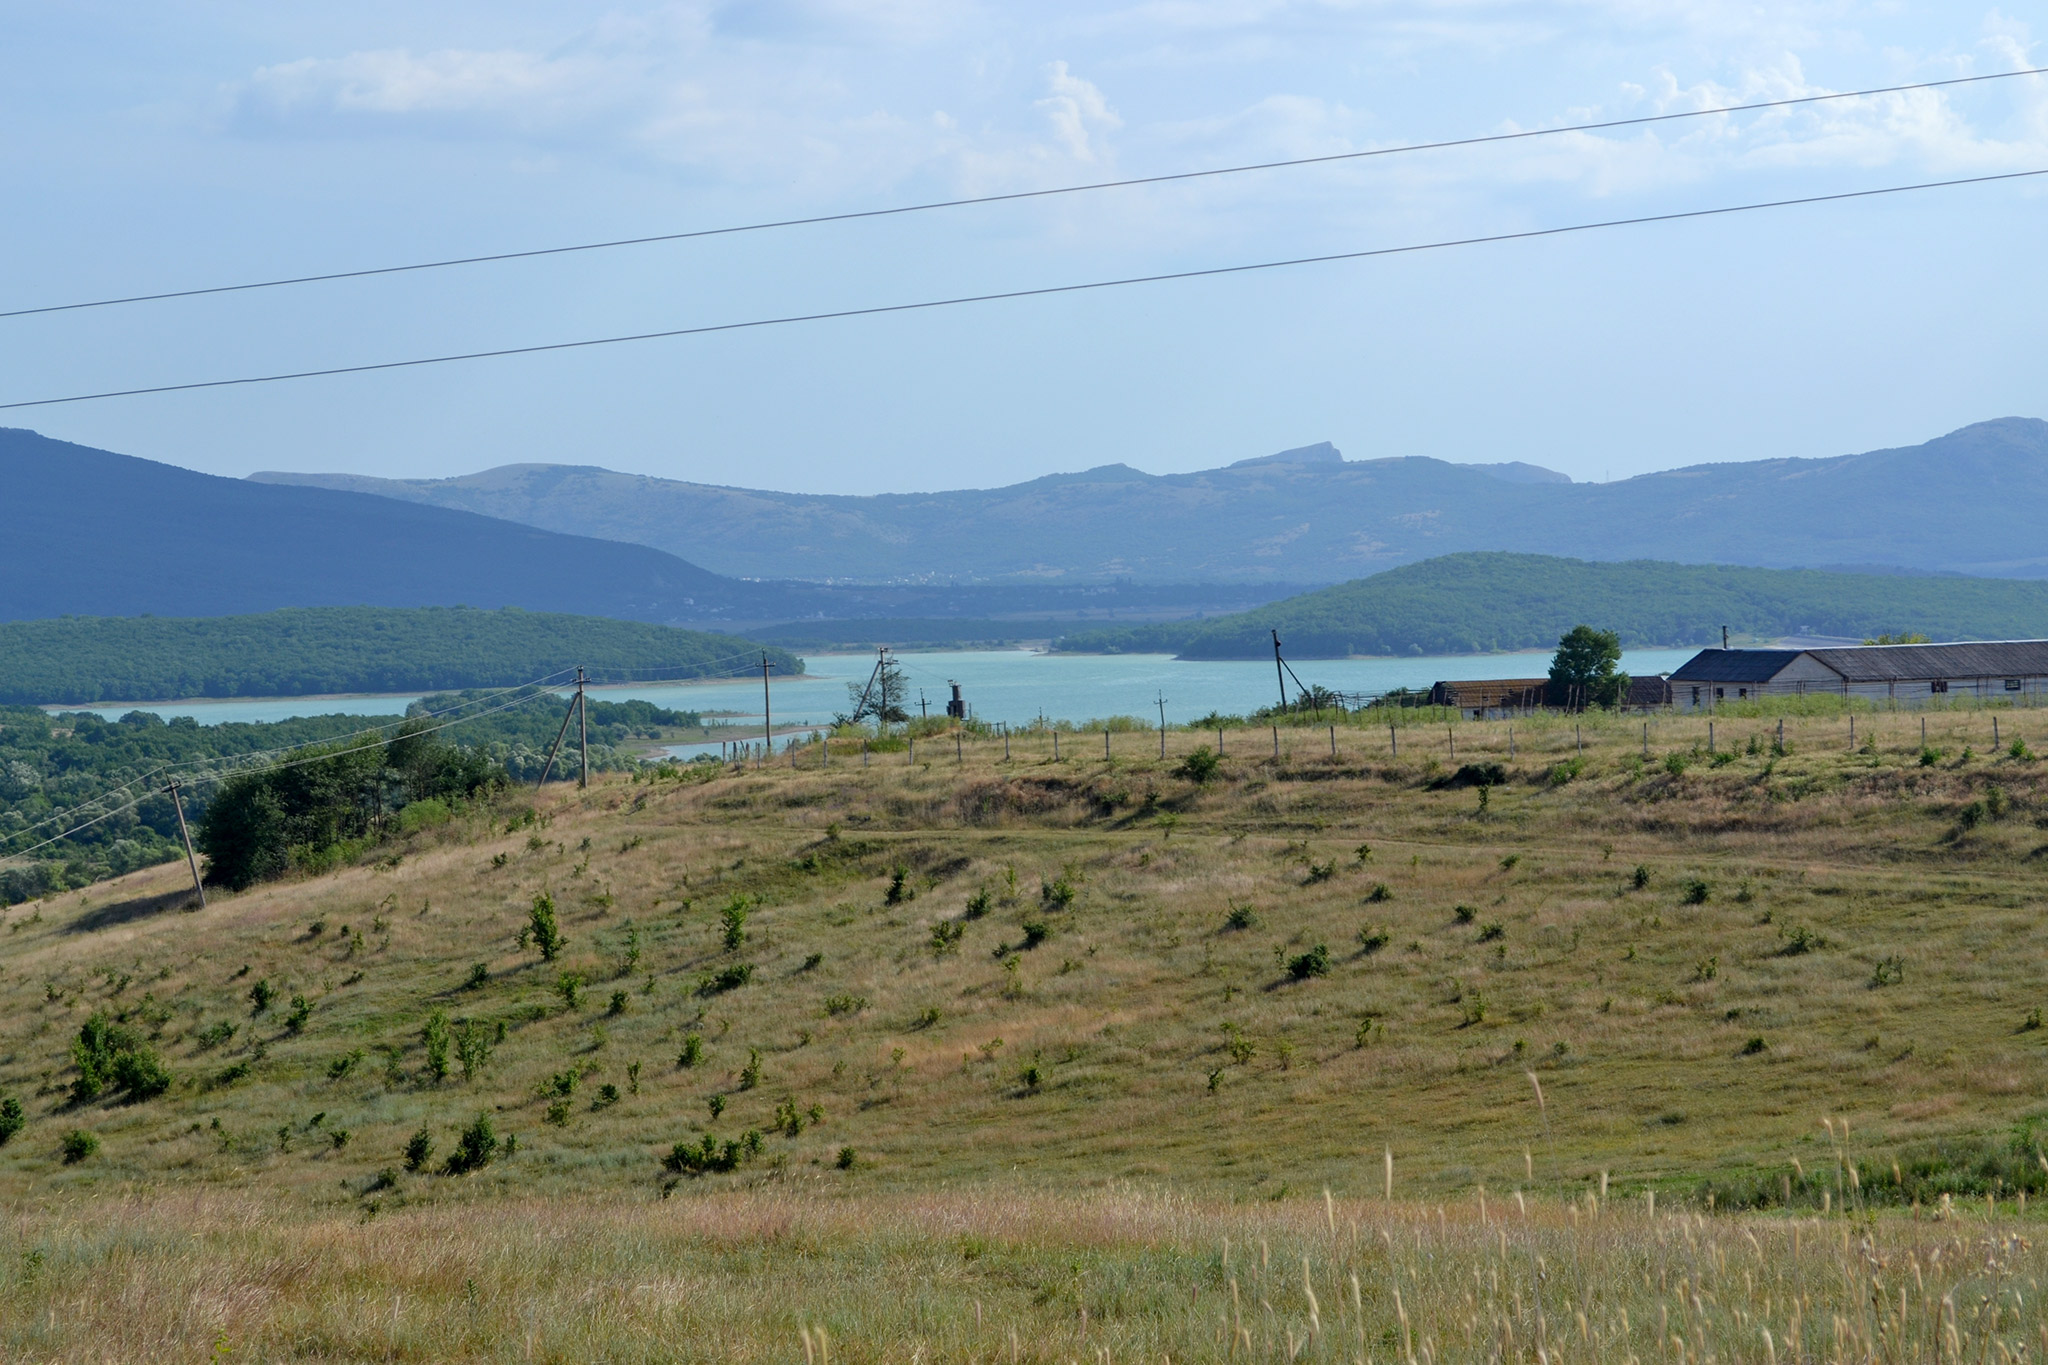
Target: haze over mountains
point(1965, 503)
point(93, 533)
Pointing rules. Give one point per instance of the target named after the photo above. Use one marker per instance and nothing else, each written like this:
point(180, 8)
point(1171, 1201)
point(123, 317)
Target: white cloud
point(524, 88)
point(1078, 113)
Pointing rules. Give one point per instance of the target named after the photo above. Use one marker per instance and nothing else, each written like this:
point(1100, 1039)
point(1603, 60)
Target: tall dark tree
point(1584, 670)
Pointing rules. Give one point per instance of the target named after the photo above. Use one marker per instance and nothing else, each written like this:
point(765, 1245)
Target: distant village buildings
point(1905, 675)
point(2016, 670)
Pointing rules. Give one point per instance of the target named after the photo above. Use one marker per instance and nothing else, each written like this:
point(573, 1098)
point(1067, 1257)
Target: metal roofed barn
point(2015, 670)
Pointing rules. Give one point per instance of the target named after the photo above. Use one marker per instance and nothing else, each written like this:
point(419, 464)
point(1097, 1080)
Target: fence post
point(1452, 731)
point(1646, 739)
point(1393, 740)
point(1006, 742)
point(1852, 729)
point(1511, 741)
point(912, 756)
point(1219, 741)
point(1105, 744)
point(1276, 744)
point(1055, 746)
point(959, 748)
point(1710, 736)
point(1994, 732)
point(1333, 741)
point(1578, 742)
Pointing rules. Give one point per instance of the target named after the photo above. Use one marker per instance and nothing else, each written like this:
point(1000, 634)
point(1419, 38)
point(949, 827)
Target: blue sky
point(182, 144)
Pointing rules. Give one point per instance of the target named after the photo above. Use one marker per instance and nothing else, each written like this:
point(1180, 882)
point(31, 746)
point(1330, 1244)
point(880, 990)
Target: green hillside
point(76, 660)
point(1476, 603)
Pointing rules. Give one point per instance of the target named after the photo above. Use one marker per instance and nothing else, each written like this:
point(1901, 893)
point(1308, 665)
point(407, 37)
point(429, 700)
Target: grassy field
point(1107, 1017)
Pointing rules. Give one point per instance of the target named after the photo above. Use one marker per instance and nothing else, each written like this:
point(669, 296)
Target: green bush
point(1372, 940)
point(542, 927)
point(1241, 917)
point(693, 1050)
point(301, 1011)
point(11, 1119)
point(726, 979)
point(434, 1036)
point(419, 1149)
point(110, 1056)
point(78, 1145)
point(1199, 766)
point(734, 918)
point(712, 1157)
point(474, 1148)
point(1314, 962)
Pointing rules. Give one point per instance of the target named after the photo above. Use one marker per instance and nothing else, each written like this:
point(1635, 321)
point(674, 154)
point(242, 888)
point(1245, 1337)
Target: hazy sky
point(181, 144)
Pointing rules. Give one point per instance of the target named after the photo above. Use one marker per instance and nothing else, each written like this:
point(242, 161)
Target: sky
point(186, 144)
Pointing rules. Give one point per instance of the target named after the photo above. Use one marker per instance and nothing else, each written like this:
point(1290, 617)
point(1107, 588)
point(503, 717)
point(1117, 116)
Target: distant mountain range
point(1478, 603)
point(1964, 503)
point(92, 533)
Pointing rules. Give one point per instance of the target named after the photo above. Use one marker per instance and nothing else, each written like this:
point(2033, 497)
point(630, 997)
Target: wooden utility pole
point(556, 748)
point(767, 721)
point(1162, 724)
point(1277, 674)
point(191, 858)
point(582, 732)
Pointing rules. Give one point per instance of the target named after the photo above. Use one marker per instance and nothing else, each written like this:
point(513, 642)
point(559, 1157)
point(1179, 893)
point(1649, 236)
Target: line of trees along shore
point(82, 660)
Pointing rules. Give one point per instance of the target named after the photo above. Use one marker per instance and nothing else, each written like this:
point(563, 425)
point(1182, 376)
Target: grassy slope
point(1470, 603)
point(1124, 1006)
point(1122, 1009)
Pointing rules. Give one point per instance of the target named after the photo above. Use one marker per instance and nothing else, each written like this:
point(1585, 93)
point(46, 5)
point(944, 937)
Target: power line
point(1014, 196)
point(1043, 291)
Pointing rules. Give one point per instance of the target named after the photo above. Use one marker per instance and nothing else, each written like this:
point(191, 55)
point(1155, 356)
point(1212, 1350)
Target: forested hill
point(312, 651)
point(1475, 603)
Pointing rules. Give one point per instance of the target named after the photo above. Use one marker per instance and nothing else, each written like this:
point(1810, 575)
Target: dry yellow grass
point(1116, 1092)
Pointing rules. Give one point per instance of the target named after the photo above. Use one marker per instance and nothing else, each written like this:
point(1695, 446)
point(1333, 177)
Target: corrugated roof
point(1902, 663)
point(1737, 665)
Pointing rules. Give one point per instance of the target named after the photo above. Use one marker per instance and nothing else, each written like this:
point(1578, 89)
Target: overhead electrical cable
point(1015, 195)
point(879, 310)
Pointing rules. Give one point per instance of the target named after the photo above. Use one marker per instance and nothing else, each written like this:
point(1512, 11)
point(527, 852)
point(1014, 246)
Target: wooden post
point(1646, 739)
point(1219, 741)
point(1105, 744)
point(556, 747)
point(863, 753)
point(191, 858)
point(1852, 729)
point(1006, 742)
point(1994, 732)
point(1452, 731)
point(959, 748)
point(1923, 732)
point(1511, 741)
point(1781, 734)
point(1333, 741)
point(1276, 744)
point(1055, 746)
point(1162, 725)
point(582, 732)
point(767, 721)
point(1393, 740)
point(1710, 736)
point(1578, 742)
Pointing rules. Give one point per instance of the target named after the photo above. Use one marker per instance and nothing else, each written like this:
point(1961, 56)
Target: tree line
point(54, 770)
point(81, 660)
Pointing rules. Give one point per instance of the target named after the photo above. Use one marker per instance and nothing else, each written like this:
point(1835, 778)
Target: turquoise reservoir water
point(1011, 686)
